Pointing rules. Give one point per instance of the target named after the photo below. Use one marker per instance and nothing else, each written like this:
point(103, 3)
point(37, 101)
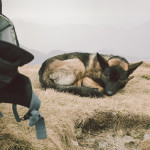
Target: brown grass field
point(120, 122)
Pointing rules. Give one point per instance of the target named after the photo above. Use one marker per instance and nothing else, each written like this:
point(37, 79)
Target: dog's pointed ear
point(102, 61)
point(134, 66)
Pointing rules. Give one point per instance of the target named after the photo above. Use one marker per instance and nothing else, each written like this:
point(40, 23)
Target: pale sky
point(79, 11)
point(117, 26)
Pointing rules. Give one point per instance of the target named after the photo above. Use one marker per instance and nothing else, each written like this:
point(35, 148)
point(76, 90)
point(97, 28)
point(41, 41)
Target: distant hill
point(55, 53)
point(40, 57)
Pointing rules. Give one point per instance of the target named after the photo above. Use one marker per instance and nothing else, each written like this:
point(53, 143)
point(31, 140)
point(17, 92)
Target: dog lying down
point(86, 74)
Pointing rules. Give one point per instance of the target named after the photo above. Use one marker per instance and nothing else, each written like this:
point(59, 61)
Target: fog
point(107, 26)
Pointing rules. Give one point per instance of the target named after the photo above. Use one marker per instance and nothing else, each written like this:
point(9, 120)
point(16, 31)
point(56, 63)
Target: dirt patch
point(115, 120)
point(112, 131)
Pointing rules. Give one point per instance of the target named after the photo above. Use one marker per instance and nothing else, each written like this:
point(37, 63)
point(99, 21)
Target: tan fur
point(116, 61)
point(72, 71)
point(78, 83)
point(88, 82)
point(66, 72)
point(93, 70)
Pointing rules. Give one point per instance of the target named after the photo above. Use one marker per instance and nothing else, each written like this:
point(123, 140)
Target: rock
point(128, 139)
point(91, 140)
point(102, 144)
point(75, 143)
point(146, 136)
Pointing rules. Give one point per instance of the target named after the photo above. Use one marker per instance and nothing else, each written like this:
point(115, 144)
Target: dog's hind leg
point(88, 82)
point(78, 83)
point(67, 72)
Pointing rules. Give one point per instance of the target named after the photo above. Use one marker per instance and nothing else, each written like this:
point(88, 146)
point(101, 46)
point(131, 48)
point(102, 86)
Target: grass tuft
point(10, 142)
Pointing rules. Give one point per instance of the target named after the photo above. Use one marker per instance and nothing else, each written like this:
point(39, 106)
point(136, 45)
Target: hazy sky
point(74, 22)
point(79, 11)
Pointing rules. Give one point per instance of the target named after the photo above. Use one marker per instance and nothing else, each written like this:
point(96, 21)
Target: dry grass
point(65, 113)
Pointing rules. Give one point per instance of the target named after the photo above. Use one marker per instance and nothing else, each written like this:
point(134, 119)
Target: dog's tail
point(81, 91)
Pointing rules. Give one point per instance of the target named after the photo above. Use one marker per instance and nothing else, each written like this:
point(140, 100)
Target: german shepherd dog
point(86, 74)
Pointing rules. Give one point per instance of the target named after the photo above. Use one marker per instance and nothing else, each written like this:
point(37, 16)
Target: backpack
point(15, 87)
